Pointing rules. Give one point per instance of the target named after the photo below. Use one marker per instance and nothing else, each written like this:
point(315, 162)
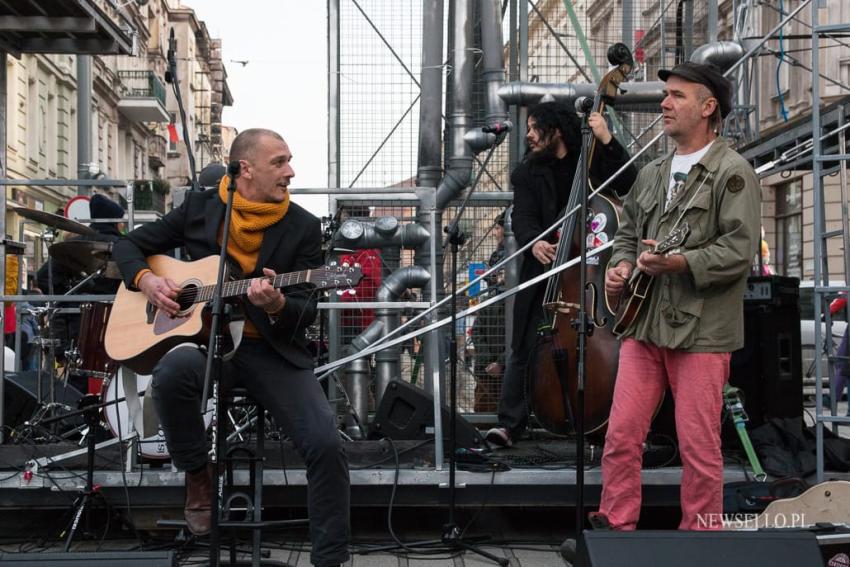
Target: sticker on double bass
point(596, 240)
point(598, 223)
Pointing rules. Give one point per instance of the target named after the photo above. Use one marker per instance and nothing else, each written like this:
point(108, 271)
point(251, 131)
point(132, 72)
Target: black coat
point(291, 244)
point(536, 198)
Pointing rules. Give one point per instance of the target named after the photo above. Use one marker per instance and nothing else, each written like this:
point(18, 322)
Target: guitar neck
point(240, 287)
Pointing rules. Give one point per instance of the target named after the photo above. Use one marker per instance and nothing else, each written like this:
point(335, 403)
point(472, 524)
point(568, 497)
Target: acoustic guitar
point(640, 283)
point(138, 334)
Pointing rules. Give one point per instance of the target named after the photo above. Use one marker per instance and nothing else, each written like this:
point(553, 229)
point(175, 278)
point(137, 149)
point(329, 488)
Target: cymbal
point(56, 221)
point(86, 256)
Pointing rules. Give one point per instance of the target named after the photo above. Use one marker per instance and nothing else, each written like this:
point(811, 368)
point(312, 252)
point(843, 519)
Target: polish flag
point(172, 133)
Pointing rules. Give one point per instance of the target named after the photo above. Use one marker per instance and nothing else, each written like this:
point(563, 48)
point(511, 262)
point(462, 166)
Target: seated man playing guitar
point(268, 235)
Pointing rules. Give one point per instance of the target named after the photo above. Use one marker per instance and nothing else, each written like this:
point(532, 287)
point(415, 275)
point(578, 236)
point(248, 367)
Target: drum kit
point(86, 354)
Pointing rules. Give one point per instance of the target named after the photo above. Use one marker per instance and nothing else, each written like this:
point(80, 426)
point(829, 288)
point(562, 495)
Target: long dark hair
point(552, 116)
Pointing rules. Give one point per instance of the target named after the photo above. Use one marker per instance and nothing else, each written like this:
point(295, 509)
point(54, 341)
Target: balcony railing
point(142, 96)
point(142, 84)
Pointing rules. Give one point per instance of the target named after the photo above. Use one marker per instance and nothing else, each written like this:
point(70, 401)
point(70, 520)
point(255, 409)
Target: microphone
point(498, 127)
point(233, 169)
point(583, 104)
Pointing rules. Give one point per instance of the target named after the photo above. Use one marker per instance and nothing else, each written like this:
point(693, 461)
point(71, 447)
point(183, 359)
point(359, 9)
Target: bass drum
point(152, 447)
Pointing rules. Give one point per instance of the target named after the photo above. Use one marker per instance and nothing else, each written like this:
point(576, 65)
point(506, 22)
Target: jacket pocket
point(698, 216)
point(680, 321)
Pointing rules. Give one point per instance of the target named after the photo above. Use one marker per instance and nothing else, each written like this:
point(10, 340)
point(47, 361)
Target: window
point(789, 229)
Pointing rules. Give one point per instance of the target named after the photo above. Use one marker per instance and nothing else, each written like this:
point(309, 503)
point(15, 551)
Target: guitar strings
point(192, 294)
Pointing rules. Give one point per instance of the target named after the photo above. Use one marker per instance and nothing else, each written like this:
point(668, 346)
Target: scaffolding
point(552, 43)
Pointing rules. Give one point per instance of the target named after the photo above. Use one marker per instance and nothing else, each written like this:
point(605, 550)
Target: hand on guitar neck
point(654, 262)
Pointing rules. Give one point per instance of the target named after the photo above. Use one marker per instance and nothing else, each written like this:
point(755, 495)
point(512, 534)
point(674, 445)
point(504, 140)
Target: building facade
point(130, 109)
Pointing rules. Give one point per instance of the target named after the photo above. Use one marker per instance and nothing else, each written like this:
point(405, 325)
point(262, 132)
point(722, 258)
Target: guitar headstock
point(335, 275)
point(675, 239)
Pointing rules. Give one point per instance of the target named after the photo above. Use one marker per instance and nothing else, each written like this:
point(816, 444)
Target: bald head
point(244, 146)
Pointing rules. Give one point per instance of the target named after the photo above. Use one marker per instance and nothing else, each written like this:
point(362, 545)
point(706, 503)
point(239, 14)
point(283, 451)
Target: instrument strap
point(131, 396)
point(739, 416)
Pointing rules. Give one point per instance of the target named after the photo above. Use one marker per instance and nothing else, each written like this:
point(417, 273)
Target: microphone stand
point(171, 77)
point(580, 324)
point(451, 536)
point(213, 371)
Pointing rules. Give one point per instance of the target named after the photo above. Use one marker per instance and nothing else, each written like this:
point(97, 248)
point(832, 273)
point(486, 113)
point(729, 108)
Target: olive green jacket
point(700, 310)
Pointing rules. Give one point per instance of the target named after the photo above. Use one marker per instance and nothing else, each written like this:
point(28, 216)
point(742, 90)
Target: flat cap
point(704, 74)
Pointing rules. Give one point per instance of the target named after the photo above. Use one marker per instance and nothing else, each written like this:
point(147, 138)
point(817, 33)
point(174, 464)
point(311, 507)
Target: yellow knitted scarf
point(249, 222)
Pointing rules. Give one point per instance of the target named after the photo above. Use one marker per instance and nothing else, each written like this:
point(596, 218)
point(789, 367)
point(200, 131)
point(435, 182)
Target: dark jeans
point(295, 399)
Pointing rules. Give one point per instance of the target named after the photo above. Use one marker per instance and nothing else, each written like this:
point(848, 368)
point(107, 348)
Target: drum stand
point(47, 356)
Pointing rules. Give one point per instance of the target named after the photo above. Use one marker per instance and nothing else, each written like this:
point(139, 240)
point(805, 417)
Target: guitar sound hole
point(186, 297)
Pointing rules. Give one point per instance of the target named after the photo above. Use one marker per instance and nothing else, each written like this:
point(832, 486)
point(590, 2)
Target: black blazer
point(291, 244)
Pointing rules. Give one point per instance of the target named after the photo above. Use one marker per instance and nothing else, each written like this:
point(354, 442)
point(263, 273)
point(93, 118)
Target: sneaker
point(499, 437)
point(598, 521)
point(568, 551)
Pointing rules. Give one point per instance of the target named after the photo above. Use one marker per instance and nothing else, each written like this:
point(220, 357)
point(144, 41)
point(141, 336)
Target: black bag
point(836, 450)
point(783, 449)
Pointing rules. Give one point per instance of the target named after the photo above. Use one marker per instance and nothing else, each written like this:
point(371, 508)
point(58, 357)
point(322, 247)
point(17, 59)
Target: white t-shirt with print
point(679, 169)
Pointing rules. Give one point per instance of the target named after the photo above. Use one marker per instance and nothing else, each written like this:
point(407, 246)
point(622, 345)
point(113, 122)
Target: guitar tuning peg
point(345, 264)
point(357, 265)
point(332, 263)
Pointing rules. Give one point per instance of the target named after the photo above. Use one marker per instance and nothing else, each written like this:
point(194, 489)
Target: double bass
point(553, 370)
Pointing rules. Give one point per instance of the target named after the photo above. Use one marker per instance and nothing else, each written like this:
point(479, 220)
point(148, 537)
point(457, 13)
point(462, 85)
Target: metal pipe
point(431, 90)
point(635, 94)
point(459, 162)
point(357, 376)
point(723, 54)
point(333, 94)
point(493, 61)
point(365, 235)
point(388, 361)
point(84, 94)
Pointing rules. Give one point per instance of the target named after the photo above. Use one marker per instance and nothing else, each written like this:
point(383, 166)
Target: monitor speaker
point(699, 549)
point(21, 396)
point(407, 412)
point(769, 369)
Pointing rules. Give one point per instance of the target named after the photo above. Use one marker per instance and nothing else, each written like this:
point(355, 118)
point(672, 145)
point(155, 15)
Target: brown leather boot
point(198, 512)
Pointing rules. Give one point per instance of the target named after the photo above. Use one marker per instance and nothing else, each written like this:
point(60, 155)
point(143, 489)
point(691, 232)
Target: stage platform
point(532, 473)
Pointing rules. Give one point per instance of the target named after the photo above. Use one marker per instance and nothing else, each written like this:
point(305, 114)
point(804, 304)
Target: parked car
point(807, 339)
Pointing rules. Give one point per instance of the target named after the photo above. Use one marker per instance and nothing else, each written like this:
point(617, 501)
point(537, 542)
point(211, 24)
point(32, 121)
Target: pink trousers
point(696, 380)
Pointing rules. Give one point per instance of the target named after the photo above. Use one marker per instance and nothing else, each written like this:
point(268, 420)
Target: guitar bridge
point(561, 306)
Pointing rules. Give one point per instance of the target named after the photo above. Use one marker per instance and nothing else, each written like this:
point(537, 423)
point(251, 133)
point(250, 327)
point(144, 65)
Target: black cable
point(483, 504)
point(392, 498)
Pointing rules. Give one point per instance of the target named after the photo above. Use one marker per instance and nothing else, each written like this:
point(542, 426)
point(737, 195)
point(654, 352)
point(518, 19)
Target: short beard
point(544, 155)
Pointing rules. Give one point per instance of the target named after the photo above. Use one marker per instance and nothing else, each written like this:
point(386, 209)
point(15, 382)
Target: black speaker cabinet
point(407, 412)
point(20, 396)
point(698, 549)
point(84, 559)
point(769, 368)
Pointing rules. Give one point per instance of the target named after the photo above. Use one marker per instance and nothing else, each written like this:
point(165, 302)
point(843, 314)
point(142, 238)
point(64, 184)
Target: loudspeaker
point(20, 395)
point(123, 558)
point(769, 369)
point(698, 549)
point(407, 412)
